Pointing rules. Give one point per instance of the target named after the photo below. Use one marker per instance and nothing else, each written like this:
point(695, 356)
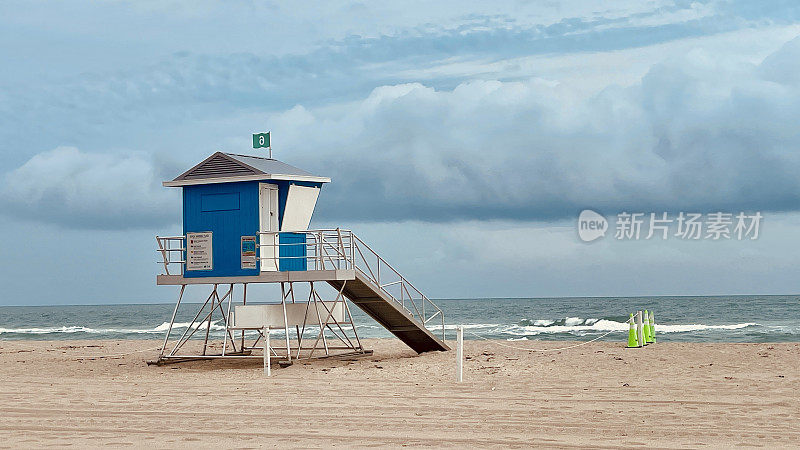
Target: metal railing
point(166, 246)
point(309, 250)
point(330, 249)
point(325, 249)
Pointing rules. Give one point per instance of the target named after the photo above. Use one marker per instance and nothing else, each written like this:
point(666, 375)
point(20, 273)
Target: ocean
point(678, 319)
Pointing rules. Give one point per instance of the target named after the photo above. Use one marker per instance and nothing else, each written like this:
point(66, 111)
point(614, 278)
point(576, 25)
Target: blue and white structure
point(246, 221)
point(237, 196)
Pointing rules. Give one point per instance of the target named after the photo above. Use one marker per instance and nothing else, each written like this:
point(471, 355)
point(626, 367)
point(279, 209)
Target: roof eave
point(282, 177)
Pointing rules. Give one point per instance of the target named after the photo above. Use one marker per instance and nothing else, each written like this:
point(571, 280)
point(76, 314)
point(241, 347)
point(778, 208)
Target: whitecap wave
point(467, 326)
point(48, 330)
point(215, 326)
point(582, 327)
point(566, 321)
point(700, 327)
point(598, 325)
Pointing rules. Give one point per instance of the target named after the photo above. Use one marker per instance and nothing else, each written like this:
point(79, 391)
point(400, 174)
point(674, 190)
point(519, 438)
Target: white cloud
point(89, 190)
point(700, 131)
point(696, 132)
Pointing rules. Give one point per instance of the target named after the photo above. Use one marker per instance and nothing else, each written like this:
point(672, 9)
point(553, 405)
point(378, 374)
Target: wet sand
point(598, 395)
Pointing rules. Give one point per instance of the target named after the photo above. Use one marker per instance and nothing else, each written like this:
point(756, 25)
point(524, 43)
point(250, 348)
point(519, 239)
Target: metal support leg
point(228, 324)
point(181, 341)
point(297, 327)
point(172, 320)
point(330, 316)
point(302, 333)
point(285, 324)
point(352, 323)
point(244, 302)
point(194, 329)
point(208, 326)
point(321, 325)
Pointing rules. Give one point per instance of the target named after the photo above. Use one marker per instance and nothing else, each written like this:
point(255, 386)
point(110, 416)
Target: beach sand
point(598, 395)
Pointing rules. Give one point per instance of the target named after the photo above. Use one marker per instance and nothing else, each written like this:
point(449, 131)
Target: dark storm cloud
point(694, 134)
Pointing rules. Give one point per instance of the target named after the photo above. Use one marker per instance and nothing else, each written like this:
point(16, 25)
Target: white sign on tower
point(199, 251)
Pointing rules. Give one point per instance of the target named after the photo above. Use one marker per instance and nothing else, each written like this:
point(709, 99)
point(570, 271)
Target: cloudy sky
point(463, 138)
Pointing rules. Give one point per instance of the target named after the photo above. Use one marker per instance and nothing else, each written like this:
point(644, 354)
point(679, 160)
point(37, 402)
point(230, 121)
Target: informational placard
point(248, 252)
point(199, 251)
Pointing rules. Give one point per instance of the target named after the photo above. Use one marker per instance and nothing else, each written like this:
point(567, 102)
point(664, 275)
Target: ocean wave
point(215, 326)
point(700, 327)
point(48, 330)
point(570, 325)
point(74, 329)
point(600, 325)
point(467, 326)
point(577, 326)
point(567, 322)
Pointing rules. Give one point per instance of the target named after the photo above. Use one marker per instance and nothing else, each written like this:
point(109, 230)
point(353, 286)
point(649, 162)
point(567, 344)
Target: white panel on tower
point(300, 202)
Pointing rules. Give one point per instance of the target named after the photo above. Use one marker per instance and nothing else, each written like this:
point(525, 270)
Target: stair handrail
point(404, 284)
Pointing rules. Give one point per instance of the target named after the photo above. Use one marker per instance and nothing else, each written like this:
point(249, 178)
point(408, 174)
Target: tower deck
point(264, 277)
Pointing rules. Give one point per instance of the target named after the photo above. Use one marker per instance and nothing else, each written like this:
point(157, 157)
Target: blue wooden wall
point(230, 211)
point(293, 246)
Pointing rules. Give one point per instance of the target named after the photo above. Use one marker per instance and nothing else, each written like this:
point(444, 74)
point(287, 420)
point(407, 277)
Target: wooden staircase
point(388, 312)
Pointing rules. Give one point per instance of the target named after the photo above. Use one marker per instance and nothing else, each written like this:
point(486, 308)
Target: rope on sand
point(540, 350)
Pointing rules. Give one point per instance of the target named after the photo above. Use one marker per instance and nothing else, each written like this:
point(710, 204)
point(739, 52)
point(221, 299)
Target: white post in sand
point(267, 356)
point(460, 354)
point(639, 334)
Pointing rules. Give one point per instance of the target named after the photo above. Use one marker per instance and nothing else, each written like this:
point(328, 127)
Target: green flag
point(261, 140)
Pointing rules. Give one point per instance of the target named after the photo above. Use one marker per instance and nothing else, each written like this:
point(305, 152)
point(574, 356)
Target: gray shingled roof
point(267, 165)
point(225, 167)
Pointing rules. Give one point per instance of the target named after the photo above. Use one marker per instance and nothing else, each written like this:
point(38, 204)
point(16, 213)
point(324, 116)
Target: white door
point(268, 222)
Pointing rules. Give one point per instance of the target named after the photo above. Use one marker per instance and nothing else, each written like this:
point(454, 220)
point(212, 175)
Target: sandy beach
point(598, 395)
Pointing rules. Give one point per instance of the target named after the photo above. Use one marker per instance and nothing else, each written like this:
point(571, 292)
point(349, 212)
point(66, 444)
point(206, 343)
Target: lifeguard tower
point(245, 222)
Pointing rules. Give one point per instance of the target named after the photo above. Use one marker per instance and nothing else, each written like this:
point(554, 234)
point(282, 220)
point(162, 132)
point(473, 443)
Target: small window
point(219, 202)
